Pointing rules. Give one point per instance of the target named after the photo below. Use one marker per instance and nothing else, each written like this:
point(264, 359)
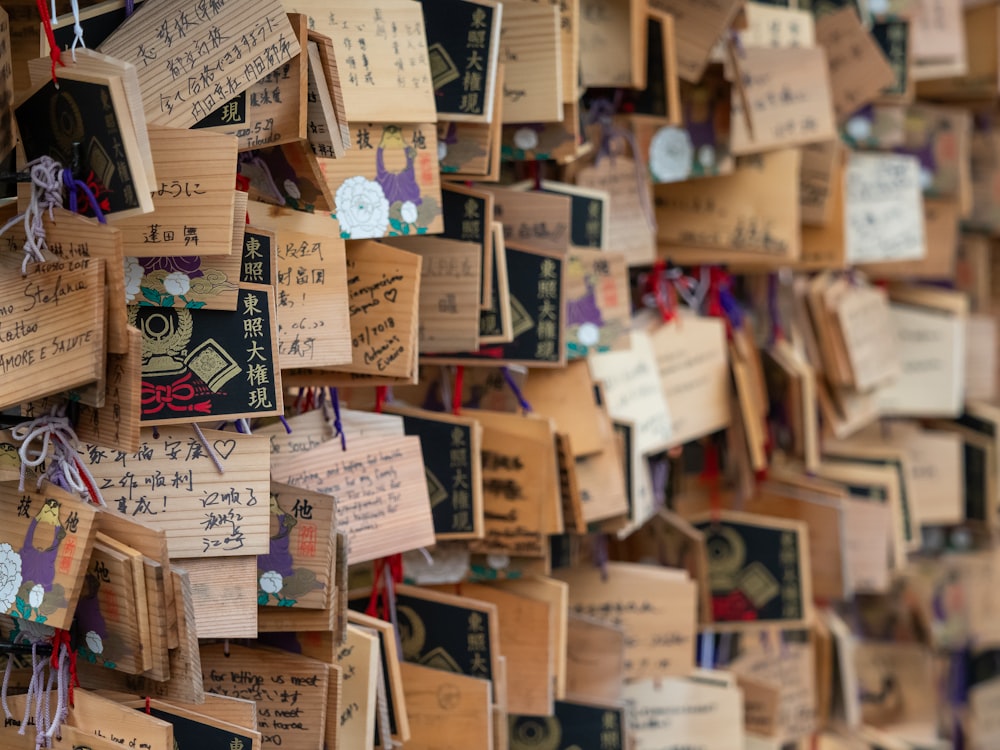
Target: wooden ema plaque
point(44, 548)
point(450, 292)
point(312, 305)
point(758, 568)
point(192, 212)
point(451, 448)
point(656, 608)
point(381, 55)
point(391, 659)
point(51, 329)
point(298, 570)
point(449, 633)
point(595, 659)
point(445, 707)
point(292, 689)
point(380, 489)
point(388, 184)
point(200, 365)
point(358, 659)
point(583, 726)
point(172, 483)
point(240, 46)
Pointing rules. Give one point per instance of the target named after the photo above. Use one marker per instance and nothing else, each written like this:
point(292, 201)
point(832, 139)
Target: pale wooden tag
point(858, 69)
point(883, 209)
point(274, 679)
point(450, 292)
point(358, 659)
point(298, 569)
point(677, 710)
point(731, 212)
point(52, 327)
point(112, 612)
point(446, 707)
point(595, 659)
point(388, 183)
point(312, 302)
point(940, 219)
point(107, 719)
point(172, 483)
point(788, 102)
point(654, 606)
point(533, 219)
point(931, 346)
point(382, 57)
point(785, 658)
point(600, 480)
point(869, 336)
point(71, 237)
point(531, 47)
point(519, 478)
point(288, 175)
point(630, 230)
point(341, 135)
point(777, 27)
point(691, 359)
point(193, 203)
point(817, 172)
point(868, 549)
point(174, 41)
point(380, 488)
point(611, 33)
point(939, 40)
point(568, 397)
point(981, 358)
point(698, 28)
point(392, 676)
point(632, 387)
point(382, 284)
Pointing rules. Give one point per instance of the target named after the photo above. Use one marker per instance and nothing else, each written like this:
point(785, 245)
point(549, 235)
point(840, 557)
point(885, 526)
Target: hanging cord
point(73, 186)
point(46, 195)
point(338, 425)
point(602, 112)
point(77, 28)
point(60, 444)
point(129, 7)
point(54, 52)
point(381, 392)
point(512, 384)
point(209, 450)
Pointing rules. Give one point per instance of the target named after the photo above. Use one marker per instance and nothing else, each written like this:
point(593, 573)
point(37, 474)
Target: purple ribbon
point(509, 379)
point(72, 185)
point(337, 424)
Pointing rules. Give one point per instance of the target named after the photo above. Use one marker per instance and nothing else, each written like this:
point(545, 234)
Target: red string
point(54, 52)
point(663, 291)
point(381, 582)
point(60, 639)
point(456, 396)
point(372, 609)
point(148, 709)
point(381, 391)
point(243, 185)
point(536, 174)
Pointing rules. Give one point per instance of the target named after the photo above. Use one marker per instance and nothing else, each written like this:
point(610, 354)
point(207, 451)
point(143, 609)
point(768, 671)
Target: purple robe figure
point(38, 565)
point(397, 186)
point(88, 611)
point(585, 309)
point(279, 558)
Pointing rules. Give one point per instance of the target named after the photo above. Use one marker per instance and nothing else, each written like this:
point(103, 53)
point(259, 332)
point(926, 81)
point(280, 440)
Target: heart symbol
point(224, 448)
point(391, 295)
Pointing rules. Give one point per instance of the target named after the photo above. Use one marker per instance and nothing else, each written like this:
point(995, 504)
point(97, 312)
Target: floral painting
point(388, 184)
point(190, 282)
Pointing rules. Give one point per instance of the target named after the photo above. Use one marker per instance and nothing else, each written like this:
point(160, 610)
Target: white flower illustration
point(94, 642)
point(409, 212)
point(362, 209)
point(670, 155)
point(292, 189)
point(133, 278)
point(442, 150)
point(271, 582)
point(36, 595)
point(525, 139)
point(177, 283)
point(10, 576)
